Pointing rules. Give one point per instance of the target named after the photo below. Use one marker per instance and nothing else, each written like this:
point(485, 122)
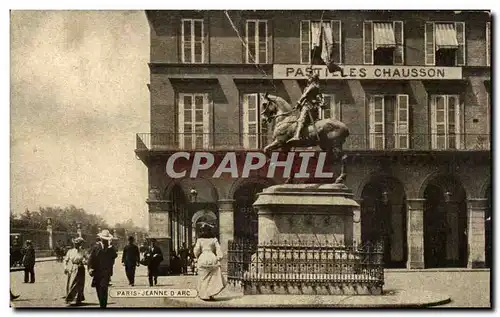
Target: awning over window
point(446, 36)
point(383, 35)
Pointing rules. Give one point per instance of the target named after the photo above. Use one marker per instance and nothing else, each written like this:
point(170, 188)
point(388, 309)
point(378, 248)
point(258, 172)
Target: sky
point(78, 96)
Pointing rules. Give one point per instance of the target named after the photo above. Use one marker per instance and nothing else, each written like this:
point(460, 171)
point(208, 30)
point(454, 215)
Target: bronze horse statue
point(328, 134)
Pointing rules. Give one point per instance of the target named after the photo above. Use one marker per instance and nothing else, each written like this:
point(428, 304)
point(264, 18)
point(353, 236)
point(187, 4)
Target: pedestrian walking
point(130, 259)
point(184, 254)
point(29, 258)
point(208, 251)
point(74, 267)
point(153, 257)
point(100, 265)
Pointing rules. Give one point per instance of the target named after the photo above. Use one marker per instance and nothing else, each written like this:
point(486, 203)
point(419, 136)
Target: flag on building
point(324, 46)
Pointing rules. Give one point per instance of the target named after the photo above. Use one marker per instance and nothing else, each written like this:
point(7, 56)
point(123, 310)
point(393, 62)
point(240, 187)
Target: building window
point(389, 122)
point(445, 122)
point(488, 43)
point(331, 108)
point(194, 114)
point(255, 130)
point(383, 43)
point(313, 37)
point(193, 44)
point(445, 43)
point(256, 36)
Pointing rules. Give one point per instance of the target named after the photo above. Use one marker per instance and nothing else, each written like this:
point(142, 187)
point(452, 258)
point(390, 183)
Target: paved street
point(466, 288)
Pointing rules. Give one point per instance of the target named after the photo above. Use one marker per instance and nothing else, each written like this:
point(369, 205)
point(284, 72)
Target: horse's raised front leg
point(272, 146)
point(343, 175)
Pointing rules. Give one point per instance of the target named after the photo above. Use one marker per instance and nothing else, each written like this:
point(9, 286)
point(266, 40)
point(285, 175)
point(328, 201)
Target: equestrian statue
point(297, 126)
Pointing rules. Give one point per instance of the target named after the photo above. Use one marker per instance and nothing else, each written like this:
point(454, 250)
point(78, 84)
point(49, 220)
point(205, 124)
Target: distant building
point(414, 91)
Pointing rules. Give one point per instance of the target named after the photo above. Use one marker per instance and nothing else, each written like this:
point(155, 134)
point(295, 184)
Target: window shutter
point(438, 121)
point(399, 49)
point(402, 122)
point(305, 42)
point(250, 111)
point(250, 47)
point(455, 133)
point(337, 41)
point(488, 43)
point(330, 111)
point(460, 30)
point(430, 44)
point(207, 106)
point(368, 42)
point(377, 122)
point(262, 42)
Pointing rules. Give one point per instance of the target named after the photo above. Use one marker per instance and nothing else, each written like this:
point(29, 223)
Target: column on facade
point(356, 223)
point(476, 232)
point(160, 228)
point(415, 233)
point(226, 228)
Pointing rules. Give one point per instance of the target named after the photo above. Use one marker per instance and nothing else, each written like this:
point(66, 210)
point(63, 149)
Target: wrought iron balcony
point(355, 142)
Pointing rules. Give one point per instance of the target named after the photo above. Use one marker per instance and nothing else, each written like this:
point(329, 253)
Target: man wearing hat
point(29, 262)
point(153, 257)
point(130, 259)
point(310, 100)
point(100, 265)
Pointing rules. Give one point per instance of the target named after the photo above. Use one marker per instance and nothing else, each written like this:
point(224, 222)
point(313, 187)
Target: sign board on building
point(360, 72)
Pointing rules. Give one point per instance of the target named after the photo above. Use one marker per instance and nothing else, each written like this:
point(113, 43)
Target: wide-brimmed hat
point(105, 235)
point(78, 240)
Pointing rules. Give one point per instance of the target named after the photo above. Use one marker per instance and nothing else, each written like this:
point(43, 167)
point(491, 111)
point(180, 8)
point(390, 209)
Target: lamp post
point(194, 198)
point(49, 230)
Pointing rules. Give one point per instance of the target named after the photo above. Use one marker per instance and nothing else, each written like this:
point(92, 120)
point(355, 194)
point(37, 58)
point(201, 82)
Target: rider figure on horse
point(310, 100)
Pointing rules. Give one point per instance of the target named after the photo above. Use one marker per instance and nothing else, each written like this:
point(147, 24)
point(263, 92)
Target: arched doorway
point(488, 226)
point(445, 223)
point(383, 218)
point(200, 217)
point(246, 224)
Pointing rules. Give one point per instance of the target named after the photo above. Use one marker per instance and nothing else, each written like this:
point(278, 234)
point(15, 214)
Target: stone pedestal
point(159, 229)
point(476, 232)
point(306, 212)
point(306, 244)
point(415, 233)
point(226, 228)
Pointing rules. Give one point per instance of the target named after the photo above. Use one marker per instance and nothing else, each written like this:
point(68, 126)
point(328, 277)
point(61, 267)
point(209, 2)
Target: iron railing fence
point(256, 141)
point(305, 263)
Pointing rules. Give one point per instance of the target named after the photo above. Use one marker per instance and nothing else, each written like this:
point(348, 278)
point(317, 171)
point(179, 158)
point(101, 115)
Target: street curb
point(436, 270)
point(418, 299)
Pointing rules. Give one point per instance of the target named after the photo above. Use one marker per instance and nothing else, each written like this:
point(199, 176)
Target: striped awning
point(446, 36)
point(383, 35)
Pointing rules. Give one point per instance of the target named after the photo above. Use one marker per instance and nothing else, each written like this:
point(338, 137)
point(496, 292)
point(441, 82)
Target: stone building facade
point(414, 91)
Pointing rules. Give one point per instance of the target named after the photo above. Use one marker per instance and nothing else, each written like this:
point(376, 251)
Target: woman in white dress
point(208, 253)
point(74, 268)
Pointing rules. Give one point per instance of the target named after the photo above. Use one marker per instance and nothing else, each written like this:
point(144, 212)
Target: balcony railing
point(360, 142)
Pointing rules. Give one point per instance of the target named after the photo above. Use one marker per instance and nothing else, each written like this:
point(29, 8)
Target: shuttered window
point(445, 122)
point(256, 37)
point(331, 108)
point(445, 36)
point(385, 38)
point(194, 119)
point(401, 123)
point(255, 130)
point(193, 42)
point(310, 33)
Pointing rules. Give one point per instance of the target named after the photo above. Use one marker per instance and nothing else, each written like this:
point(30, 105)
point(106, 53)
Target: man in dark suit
point(29, 263)
point(153, 257)
point(100, 266)
point(130, 259)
